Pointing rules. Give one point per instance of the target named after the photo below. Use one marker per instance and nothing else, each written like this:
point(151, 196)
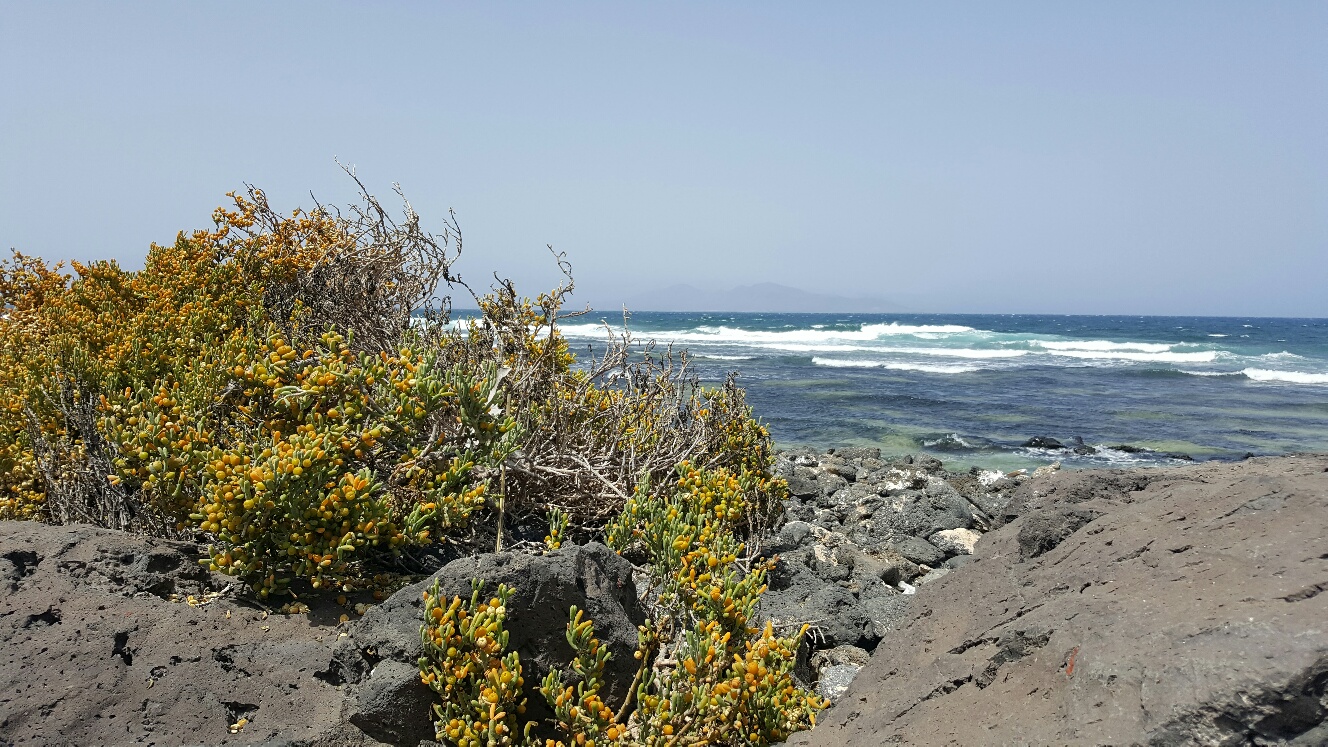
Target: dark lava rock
point(887, 612)
point(915, 549)
point(94, 651)
point(1067, 487)
point(846, 471)
point(1190, 611)
point(922, 514)
point(1042, 531)
point(929, 464)
point(840, 655)
point(858, 453)
point(803, 487)
point(835, 680)
point(958, 561)
point(793, 535)
point(828, 568)
point(1128, 449)
point(884, 566)
point(1043, 442)
point(797, 595)
point(830, 483)
point(392, 705)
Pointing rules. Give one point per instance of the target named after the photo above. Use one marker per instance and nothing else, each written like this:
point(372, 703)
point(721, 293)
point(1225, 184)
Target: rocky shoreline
point(932, 597)
point(861, 535)
point(1165, 607)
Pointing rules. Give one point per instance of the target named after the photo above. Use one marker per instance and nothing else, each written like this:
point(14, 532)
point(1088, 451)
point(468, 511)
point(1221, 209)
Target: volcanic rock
point(1043, 442)
point(1166, 607)
point(393, 705)
point(115, 638)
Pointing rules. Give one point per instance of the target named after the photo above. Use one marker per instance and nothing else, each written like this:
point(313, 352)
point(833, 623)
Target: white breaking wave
point(1264, 374)
point(1292, 377)
point(1101, 345)
point(941, 352)
point(896, 366)
point(737, 336)
point(956, 352)
point(951, 438)
point(1159, 357)
point(925, 348)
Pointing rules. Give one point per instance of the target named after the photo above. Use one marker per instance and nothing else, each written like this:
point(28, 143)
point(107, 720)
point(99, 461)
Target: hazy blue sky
point(1006, 157)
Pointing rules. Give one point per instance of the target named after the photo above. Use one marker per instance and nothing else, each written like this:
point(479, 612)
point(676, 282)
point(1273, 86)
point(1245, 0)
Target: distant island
point(761, 297)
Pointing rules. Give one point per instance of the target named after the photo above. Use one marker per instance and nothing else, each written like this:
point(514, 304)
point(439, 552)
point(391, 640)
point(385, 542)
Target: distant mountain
point(771, 297)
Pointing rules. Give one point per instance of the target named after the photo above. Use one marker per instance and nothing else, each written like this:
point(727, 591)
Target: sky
point(1104, 158)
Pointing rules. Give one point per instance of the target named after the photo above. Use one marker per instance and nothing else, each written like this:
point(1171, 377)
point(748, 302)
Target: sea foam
point(1101, 345)
point(739, 336)
point(953, 368)
point(1159, 357)
point(1290, 377)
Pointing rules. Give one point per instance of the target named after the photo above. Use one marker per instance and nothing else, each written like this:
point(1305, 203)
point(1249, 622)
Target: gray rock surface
point(1190, 611)
point(393, 706)
point(955, 541)
point(923, 513)
point(840, 655)
point(799, 596)
point(96, 652)
point(835, 680)
point(91, 611)
point(887, 611)
point(916, 549)
point(93, 650)
point(856, 531)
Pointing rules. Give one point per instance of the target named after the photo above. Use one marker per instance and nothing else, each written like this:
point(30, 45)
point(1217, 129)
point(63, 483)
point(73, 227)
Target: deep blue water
point(971, 388)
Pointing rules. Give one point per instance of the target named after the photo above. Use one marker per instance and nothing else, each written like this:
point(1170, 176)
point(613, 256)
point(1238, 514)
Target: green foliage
point(707, 675)
point(733, 683)
point(582, 714)
point(557, 529)
point(262, 384)
point(464, 662)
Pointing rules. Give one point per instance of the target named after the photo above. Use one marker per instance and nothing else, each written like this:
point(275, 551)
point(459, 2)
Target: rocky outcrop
point(860, 532)
point(1160, 606)
point(114, 638)
point(1164, 607)
point(379, 658)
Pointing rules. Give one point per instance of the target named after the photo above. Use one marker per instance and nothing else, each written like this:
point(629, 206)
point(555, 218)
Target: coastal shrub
point(708, 675)
point(591, 428)
point(284, 388)
point(259, 382)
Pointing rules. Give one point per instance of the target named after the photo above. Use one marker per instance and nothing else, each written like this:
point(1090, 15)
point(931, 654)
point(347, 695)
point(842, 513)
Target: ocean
point(972, 389)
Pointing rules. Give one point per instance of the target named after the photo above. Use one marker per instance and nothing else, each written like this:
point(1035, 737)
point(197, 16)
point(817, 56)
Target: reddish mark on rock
point(1069, 662)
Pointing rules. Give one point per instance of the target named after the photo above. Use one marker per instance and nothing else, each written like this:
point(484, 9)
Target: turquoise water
point(971, 389)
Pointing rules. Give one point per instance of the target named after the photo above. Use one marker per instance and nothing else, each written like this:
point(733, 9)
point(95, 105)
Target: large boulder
point(1189, 610)
point(922, 513)
point(955, 541)
point(917, 550)
point(802, 483)
point(798, 595)
point(379, 658)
